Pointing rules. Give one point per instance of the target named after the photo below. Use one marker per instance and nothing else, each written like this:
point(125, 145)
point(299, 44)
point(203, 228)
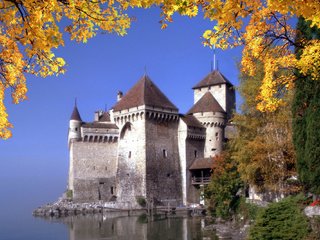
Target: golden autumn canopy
point(31, 29)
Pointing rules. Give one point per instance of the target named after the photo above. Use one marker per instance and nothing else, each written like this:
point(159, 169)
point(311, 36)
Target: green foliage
point(141, 201)
point(283, 220)
point(69, 194)
point(247, 211)
point(223, 188)
point(306, 114)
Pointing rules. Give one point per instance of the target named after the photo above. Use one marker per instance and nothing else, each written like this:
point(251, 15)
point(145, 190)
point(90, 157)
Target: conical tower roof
point(75, 114)
point(144, 92)
point(213, 78)
point(206, 104)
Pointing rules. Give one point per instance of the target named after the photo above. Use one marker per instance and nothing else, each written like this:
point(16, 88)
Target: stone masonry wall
point(215, 123)
point(163, 162)
point(131, 162)
point(231, 101)
point(93, 169)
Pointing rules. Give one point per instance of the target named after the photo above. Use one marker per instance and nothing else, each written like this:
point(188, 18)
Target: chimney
point(119, 96)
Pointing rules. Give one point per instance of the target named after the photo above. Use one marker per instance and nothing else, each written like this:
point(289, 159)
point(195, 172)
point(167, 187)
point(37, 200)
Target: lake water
point(103, 227)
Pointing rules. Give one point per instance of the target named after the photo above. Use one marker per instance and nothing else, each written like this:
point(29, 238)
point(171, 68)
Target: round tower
point(212, 116)
point(215, 123)
point(75, 125)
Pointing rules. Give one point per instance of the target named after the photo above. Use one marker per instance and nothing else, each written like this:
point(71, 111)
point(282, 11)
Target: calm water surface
point(17, 223)
point(94, 227)
point(103, 227)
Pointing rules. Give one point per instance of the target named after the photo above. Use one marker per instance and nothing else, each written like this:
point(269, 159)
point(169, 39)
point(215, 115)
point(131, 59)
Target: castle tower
point(148, 148)
point(74, 125)
point(220, 87)
point(74, 134)
point(208, 111)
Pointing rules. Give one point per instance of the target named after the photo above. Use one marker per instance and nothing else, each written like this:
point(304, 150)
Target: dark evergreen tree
point(306, 116)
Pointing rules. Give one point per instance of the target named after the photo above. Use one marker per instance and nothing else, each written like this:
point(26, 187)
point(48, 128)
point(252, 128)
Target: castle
point(144, 148)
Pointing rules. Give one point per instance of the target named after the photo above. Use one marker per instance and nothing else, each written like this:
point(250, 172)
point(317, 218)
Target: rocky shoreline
point(63, 208)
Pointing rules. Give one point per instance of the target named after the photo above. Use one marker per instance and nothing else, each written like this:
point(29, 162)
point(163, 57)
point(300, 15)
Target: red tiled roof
point(213, 78)
point(144, 92)
point(201, 163)
point(105, 117)
point(206, 104)
point(191, 121)
point(75, 114)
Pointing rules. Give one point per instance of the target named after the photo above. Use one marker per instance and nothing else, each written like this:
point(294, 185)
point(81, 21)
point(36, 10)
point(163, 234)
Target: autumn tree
point(306, 114)
point(263, 144)
point(29, 32)
point(222, 191)
point(31, 29)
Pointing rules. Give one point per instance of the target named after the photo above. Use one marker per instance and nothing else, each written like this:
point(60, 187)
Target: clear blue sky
point(34, 162)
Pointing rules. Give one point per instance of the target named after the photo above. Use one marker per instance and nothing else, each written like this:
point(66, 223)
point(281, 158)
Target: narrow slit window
point(165, 153)
point(195, 153)
point(129, 155)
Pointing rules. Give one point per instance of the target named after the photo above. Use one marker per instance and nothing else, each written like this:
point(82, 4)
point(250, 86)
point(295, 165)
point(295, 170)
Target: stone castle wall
point(131, 180)
point(93, 170)
point(163, 170)
point(215, 124)
point(230, 101)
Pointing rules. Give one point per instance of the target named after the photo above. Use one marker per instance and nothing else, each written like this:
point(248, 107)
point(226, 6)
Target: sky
point(34, 162)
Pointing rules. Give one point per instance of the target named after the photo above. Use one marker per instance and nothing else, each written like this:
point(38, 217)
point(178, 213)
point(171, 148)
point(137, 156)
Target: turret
point(74, 125)
point(212, 116)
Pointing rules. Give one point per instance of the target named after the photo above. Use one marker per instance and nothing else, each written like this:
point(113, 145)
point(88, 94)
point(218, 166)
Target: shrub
point(283, 220)
point(141, 201)
point(247, 211)
point(69, 194)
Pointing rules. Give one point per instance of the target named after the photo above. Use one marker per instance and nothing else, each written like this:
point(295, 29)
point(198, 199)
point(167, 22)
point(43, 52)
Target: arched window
point(126, 128)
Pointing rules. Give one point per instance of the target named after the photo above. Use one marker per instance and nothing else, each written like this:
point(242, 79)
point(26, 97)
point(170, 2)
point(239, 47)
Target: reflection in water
point(94, 227)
